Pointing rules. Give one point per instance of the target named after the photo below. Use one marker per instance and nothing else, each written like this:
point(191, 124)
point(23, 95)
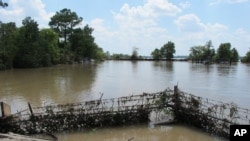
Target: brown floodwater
point(80, 82)
point(140, 133)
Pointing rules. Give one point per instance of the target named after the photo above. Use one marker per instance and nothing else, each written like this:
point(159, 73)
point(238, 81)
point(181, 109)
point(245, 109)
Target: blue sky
point(121, 25)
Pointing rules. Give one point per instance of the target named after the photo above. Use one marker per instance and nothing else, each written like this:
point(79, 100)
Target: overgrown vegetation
point(65, 42)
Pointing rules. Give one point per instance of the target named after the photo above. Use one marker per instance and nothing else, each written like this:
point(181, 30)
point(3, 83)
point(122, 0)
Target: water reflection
point(226, 70)
point(140, 133)
point(59, 84)
point(164, 65)
point(79, 82)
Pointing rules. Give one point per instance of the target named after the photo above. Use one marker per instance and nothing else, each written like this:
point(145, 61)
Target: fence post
point(6, 110)
point(177, 103)
point(30, 108)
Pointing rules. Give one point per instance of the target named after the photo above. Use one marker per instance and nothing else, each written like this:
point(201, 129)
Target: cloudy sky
point(121, 25)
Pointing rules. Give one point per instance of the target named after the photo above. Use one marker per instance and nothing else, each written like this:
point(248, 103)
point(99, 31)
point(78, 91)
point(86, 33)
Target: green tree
point(83, 45)
point(202, 53)
point(8, 32)
point(156, 54)
point(246, 58)
point(224, 52)
point(49, 40)
point(209, 52)
point(168, 50)
point(63, 23)
point(234, 55)
point(197, 53)
point(29, 52)
point(100, 55)
point(89, 43)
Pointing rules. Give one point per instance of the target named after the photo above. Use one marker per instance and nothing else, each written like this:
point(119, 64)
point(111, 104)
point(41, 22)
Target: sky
point(122, 25)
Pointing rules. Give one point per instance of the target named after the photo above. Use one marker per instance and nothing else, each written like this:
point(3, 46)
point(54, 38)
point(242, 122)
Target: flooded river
point(79, 82)
point(139, 133)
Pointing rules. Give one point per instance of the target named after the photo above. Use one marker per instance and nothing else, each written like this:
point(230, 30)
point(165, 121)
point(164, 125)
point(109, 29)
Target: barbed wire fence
point(211, 116)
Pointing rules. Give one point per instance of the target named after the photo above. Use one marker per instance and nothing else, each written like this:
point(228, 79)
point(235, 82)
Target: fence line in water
point(210, 115)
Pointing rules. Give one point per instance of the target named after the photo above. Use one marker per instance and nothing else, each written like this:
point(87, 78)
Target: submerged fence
point(212, 116)
point(209, 115)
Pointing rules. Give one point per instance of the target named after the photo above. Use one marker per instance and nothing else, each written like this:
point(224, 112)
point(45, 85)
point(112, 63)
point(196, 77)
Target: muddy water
point(139, 133)
point(80, 82)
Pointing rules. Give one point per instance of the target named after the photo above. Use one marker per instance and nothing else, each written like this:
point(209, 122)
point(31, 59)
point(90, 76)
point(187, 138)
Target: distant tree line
point(121, 56)
point(167, 52)
point(246, 58)
point(64, 42)
point(224, 54)
point(203, 53)
point(207, 53)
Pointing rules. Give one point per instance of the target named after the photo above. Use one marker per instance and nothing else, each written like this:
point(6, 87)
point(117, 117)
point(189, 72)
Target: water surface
point(139, 133)
point(80, 82)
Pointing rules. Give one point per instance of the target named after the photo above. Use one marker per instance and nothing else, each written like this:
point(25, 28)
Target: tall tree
point(224, 52)
point(209, 52)
point(197, 53)
point(234, 55)
point(8, 33)
point(89, 42)
point(28, 54)
point(64, 21)
point(83, 43)
point(49, 39)
point(168, 50)
point(203, 53)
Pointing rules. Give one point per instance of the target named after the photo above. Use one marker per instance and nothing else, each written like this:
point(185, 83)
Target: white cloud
point(141, 26)
point(215, 2)
point(185, 5)
point(217, 33)
point(192, 23)
point(189, 23)
point(151, 9)
point(145, 15)
point(192, 31)
point(240, 39)
point(136, 26)
point(19, 9)
point(162, 7)
point(101, 31)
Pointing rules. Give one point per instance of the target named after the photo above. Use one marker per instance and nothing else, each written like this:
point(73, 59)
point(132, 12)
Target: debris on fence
point(168, 106)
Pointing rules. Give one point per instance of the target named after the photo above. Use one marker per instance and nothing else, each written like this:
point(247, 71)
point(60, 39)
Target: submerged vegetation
point(207, 54)
point(64, 42)
point(167, 51)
